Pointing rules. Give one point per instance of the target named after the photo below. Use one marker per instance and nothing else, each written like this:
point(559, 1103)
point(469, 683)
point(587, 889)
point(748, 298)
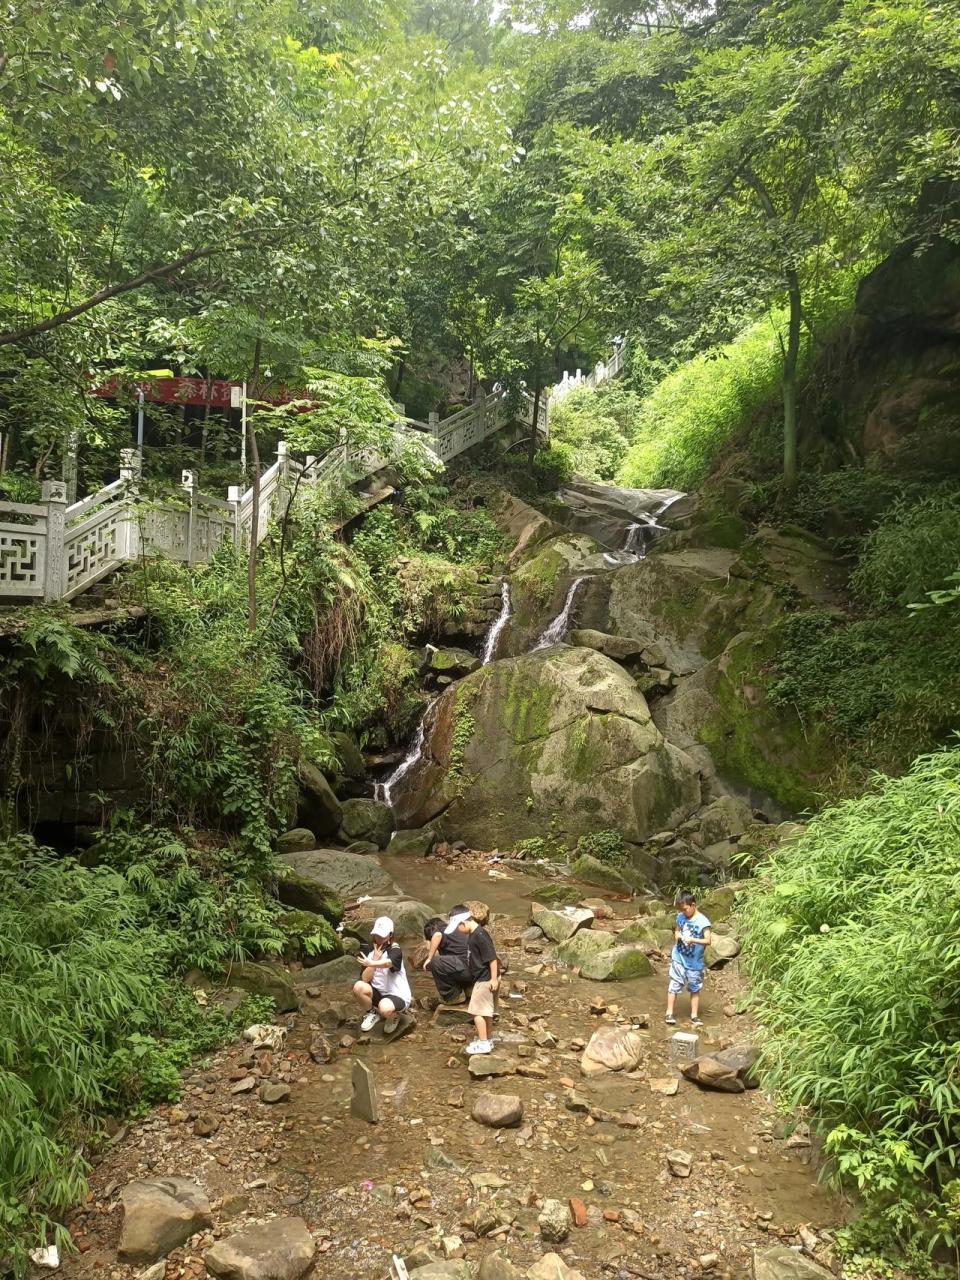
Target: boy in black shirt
point(484, 968)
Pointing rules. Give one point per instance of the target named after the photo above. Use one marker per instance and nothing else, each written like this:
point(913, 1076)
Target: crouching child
point(383, 989)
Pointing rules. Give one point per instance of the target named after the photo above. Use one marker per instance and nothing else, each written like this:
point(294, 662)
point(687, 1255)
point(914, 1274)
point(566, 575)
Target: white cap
point(382, 927)
point(456, 921)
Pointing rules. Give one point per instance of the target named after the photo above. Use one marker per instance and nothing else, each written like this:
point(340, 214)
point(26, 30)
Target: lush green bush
point(911, 552)
point(888, 685)
point(843, 504)
point(852, 940)
point(89, 1020)
point(687, 419)
point(594, 428)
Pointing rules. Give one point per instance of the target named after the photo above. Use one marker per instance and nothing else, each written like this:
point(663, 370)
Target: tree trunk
point(532, 448)
point(791, 357)
point(255, 505)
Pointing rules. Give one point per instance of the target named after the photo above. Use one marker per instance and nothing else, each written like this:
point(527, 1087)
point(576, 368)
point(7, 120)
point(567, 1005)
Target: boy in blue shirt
point(692, 936)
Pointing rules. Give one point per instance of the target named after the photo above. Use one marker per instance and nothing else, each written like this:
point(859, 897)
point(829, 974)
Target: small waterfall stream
point(493, 635)
point(383, 791)
point(559, 627)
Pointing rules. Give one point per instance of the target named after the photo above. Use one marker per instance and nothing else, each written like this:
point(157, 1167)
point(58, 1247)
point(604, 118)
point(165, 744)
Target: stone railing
point(51, 551)
point(603, 372)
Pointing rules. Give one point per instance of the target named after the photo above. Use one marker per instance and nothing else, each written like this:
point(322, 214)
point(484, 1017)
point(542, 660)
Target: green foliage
point(606, 846)
point(851, 938)
point(697, 409)
point(595, 428)
point(464, 727)
point(89, 1022)
point(911, 552)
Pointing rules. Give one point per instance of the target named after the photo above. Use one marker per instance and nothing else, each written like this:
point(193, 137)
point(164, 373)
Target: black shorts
point(398, 1001)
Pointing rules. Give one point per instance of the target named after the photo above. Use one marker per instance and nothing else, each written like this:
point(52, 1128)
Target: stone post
point(188, 479)
point(131, 469)
point(54, 494)
point(234, 494)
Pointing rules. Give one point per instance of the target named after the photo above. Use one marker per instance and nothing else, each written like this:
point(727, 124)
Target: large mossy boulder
point(619, 964)
point(556, 739)
point(303, 893)
point(592, 871)
point(348, 875)
point(687, 604)
point(365, 819)
point(264, 980)
point(408, 915)
point(583, 946)
point(317, 807)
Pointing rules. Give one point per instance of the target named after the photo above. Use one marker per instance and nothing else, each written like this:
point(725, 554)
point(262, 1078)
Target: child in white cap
point(483, 966)
point(383, 990)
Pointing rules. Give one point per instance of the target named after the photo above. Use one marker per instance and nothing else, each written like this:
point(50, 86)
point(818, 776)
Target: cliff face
point(892, 391)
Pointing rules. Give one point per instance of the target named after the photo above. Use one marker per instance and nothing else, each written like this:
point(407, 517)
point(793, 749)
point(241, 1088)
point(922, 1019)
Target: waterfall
point(383, 791)
point(493, 635)
point(559, 627)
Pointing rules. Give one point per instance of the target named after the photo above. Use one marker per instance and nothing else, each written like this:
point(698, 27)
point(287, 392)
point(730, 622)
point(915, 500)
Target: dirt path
point(424, 1171)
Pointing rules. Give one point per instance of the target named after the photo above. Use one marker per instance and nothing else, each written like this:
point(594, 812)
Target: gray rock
point(780, 1263)
point(588, 942)
point(159, 1215)
point(341, 971)
point(365, 819)
point(365, 1101)
point(350, 875)
point(559, 735)
point(617, 965)
point(281, 1249)
point(492, 1065)
point(455, 1269)
point(318, 808)
point(592, 871)
point(720, 950)
point(350, 763)
point(558, 926)
point(725, 818)
point(554, 1222)
point(416, 840)
point(296, 841)
point(451, 662)
point(497, 1110)
point(272, 1092)
point(741, 1058)
point(680, 1163)
point(264, 980)
point(619, 648)
point(362, 846)
point(495, 1266)
point(408, 916)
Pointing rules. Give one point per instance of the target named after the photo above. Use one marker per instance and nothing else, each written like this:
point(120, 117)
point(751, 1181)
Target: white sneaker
point(479, 1046)
point(369, 1020)
point(390, 1025)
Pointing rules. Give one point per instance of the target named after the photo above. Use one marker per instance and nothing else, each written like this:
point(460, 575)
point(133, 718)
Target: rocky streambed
point(537, 1150)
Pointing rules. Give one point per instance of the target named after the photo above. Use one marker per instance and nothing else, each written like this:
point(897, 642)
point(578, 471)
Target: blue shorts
point(680, 976)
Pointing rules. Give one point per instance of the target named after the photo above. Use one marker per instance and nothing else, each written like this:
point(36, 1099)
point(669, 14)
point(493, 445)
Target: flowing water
point(558, 628)
point(493, 635)
point(383, 791)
